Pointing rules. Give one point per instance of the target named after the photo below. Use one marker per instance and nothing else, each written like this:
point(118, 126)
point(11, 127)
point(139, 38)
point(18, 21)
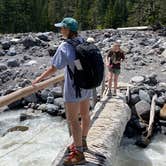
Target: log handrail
point(20, 93)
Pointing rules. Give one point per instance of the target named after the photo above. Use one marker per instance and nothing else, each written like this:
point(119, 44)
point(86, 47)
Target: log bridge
point(109, 119)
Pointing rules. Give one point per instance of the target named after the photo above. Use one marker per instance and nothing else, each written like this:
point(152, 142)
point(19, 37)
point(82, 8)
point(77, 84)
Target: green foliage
point(40, 15)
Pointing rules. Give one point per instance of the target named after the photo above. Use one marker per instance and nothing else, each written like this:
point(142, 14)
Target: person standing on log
point(75, 106)
point(113, 61)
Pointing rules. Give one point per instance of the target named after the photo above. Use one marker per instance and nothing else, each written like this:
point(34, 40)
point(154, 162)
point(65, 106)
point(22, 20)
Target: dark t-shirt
point(115, 56)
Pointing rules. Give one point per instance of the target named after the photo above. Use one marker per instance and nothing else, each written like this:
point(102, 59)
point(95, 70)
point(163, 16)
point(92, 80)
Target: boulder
point(134, 99)
point(137, 79)
point(52, 109)
point(6, 45)
point(143, 109)
point(13, 63)
point(12, 51)
point(144, 96)
point(2, 67)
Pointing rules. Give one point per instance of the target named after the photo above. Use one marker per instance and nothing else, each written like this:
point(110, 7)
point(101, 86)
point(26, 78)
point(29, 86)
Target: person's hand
point(38, 79)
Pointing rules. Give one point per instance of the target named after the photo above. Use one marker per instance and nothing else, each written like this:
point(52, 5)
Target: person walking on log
point(75, 105)
point(113, 61)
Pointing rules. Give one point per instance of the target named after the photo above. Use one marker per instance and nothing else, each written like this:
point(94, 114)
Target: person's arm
point(51, 70)
point(108, 58)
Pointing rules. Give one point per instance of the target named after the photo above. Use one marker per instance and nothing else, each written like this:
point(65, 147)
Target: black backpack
point(89, 67)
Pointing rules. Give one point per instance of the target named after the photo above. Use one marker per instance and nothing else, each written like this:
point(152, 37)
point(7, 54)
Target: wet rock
point(160, 101)
point(2, 67)
point(143, 109)
point(6, 45)
point(52, 109)
point(13, 63)
point(134, 99)
point(59, 102)
point(57, 92)
point(44, 94)
point(11, 51)
point(144, 96)
point(43, 107)
point(26, 116)
point(31, 99)
point(16, 128)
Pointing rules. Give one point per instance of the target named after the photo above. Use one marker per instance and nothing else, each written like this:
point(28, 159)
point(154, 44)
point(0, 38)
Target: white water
point(131, 155)
point(37, 146)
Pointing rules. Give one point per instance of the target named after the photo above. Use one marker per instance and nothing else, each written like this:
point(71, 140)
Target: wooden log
point(152, 115)
point(12, 97)
point(141, 28)
point(109, 119)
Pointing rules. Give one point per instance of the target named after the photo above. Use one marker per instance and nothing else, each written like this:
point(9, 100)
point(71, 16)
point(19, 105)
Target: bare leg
point(72, 110)
point(85, 117)
point(115, 82)
point(110, 80)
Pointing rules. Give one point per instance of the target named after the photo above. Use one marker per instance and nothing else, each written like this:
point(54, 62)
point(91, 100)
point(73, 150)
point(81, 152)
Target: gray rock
point(29, 42)
point(6, 45)
point(43, 36)
point(44, 94)
point(2, 53)
point(2, 67)
point(52, 49)
point(6, 75)
point(59, 102)
point(13, 63)
point(43, 107)
point(161, 101)
point(134, 99)
point(52, 109)
point(144, 96)
point(50, 99)
point(142, 107)
point(57, 91)
point(31, 99)
point(137, 79)
point(11, 51)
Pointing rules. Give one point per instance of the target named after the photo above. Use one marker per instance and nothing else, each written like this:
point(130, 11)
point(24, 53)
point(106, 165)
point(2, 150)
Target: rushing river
point(153, 155)
point(37, 146)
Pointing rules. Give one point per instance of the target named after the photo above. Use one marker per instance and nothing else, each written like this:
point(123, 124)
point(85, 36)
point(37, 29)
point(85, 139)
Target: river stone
point(2, 67)
point(31, 99)
point(6, 75)
point(43, 36)
point(160, 101)
point(2, 53)
point(6, 45)
point(44, 94)
point(134, 99)
point(144, 96)
point(59, 102)
point(137, 79)
point(57, 91)
point(43, 107)
point(50, 99)
point(52, 49)
point(13, 63)
point(12, 51)
point(142, 108)
point(26, 116)
point(29, 42)
point(52, 109)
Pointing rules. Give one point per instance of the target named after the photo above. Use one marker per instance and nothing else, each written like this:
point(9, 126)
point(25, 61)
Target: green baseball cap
point(69, 23)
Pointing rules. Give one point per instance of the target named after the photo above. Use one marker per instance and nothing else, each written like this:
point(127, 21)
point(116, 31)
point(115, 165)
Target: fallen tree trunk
point(108, 124)
point(12, 97)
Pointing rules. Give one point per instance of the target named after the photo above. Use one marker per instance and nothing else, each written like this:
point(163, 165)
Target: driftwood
point(141, 28)
point(12, 97)
point(109, 119)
